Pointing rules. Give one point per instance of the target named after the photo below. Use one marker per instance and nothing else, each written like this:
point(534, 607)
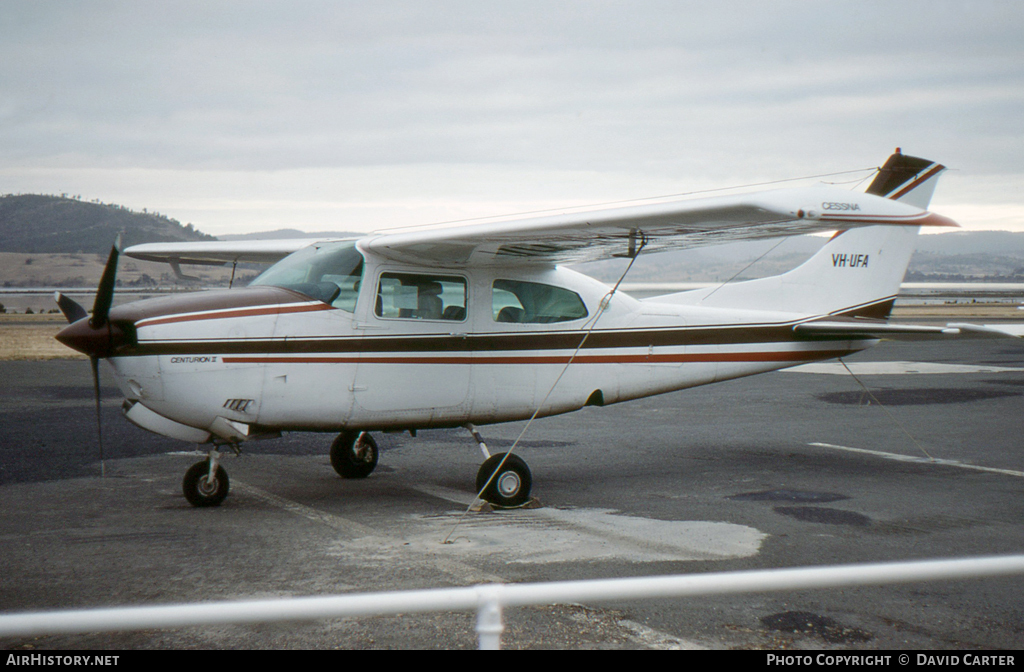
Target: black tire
point(510, 486)
point(354, 454)
point(198, 489)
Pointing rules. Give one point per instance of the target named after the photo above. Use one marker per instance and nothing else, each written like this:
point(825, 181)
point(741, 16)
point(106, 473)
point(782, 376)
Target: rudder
point(908, 179)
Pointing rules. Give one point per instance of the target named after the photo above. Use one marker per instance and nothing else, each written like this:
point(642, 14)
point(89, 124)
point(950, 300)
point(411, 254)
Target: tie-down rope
point(588, 328)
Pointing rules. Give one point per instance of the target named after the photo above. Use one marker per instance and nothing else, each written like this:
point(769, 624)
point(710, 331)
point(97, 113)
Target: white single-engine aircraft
point(478, 324)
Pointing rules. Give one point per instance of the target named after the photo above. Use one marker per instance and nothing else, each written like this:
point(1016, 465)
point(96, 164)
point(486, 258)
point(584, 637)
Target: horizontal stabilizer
point(878, 329)
point(869, 329)
point(1015, 329)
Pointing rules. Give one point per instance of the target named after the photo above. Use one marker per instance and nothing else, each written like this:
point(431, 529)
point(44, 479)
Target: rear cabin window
point(421, 297)
point(534, 303)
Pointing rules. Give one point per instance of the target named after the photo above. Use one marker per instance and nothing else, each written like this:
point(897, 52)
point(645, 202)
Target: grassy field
point(31, 336)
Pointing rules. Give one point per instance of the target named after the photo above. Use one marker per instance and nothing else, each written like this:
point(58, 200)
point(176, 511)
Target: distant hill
point(38, 224)
point(1006, 243)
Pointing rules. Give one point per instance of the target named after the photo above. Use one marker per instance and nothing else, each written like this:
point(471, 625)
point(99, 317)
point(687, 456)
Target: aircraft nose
point(94, 341)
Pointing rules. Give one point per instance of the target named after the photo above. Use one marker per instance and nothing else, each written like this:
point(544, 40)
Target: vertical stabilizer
point(907, 179)
point(856, 274)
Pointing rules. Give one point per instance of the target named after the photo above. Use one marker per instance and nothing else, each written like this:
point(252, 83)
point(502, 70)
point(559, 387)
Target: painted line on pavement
point(921, 460)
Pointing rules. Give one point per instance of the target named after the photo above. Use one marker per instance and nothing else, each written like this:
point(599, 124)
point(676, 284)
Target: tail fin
point(856, 274)
point(907, 179)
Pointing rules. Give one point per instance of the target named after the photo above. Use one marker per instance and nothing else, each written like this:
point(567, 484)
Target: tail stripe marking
point(923, 178)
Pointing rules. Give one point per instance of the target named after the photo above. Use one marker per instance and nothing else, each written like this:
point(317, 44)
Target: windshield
point(329, 272)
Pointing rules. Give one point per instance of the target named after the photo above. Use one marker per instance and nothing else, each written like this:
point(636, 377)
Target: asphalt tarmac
point(748, 474)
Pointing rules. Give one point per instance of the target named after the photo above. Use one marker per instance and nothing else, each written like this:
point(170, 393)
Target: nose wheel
point(205, 484)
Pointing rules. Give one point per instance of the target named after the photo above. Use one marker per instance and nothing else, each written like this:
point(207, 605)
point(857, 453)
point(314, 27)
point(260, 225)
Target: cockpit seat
point(511, 314)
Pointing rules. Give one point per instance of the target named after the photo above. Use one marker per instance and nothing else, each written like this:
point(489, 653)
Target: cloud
point(662, 93)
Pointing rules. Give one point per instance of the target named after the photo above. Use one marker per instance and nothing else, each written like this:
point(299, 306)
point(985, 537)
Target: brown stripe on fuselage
point(362, 345)
point(771, 356)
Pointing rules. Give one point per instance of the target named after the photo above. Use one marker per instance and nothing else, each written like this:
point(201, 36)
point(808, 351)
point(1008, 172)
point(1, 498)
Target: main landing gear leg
point(206, 483)
point(503, 479)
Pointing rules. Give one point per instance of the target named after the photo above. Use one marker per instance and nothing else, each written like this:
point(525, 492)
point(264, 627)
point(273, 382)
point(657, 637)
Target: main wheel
point(510, 486)
point(200, 490)
point(354, 454)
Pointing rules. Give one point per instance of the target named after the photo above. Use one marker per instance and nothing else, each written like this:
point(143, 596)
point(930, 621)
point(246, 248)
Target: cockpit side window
point(331, 273)
point(421, 297)
point(534, 303)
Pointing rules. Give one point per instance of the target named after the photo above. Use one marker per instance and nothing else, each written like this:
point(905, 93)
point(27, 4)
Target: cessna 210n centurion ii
point(479, 324)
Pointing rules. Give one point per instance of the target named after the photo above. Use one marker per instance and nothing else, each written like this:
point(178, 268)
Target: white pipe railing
point(489, 599)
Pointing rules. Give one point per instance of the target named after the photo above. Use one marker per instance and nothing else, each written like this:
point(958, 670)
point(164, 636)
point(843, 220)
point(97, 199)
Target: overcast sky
point(247, 116)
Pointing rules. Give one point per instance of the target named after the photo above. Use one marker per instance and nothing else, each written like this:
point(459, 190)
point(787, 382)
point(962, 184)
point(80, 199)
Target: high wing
point(221, 252)
point(621, 232)
point(575, 237)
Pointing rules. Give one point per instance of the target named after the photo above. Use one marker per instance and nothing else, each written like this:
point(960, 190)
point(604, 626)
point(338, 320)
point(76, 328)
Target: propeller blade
point(71, 309)
point(99, 424)
point(105, 291)
point(96, 336)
